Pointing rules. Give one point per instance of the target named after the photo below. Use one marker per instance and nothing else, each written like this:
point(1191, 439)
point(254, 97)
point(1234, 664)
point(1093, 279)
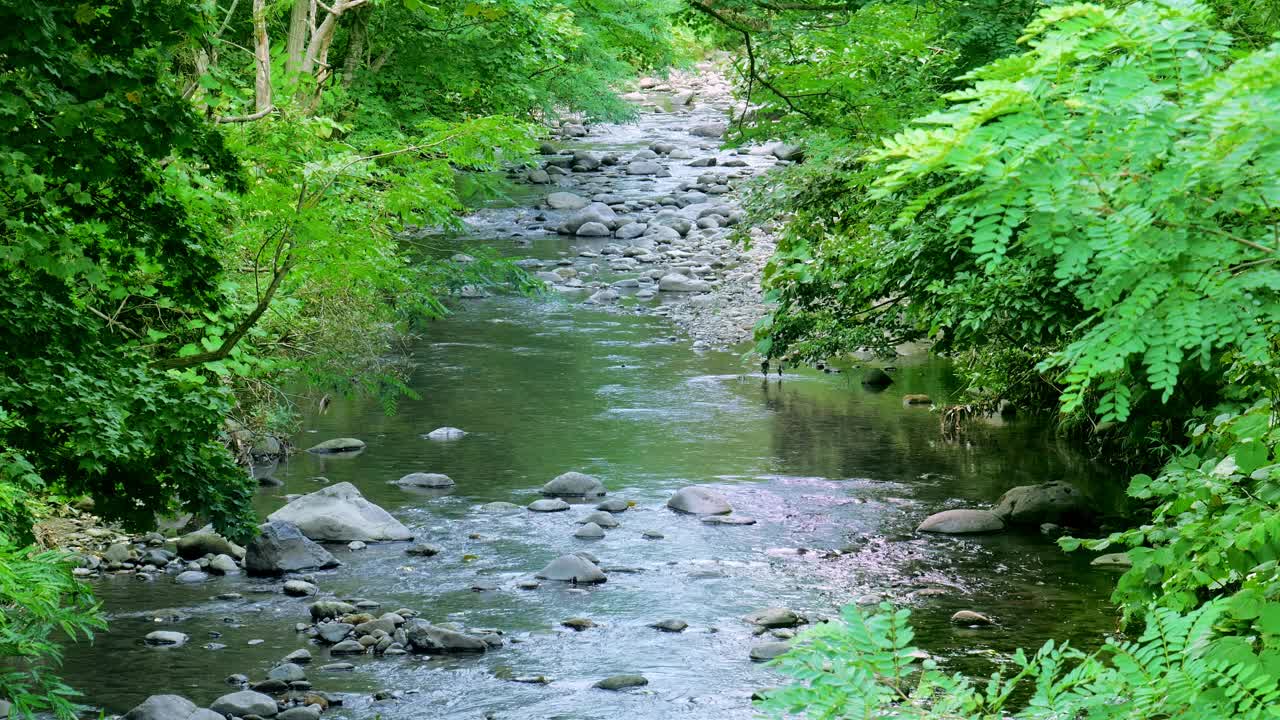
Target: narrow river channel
point(836, 476)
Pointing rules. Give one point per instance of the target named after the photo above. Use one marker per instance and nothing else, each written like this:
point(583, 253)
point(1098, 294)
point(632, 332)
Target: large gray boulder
point(162, 707)
point(574, 484)
point(428, 638)
point(245, 702)
point(961, 522)
point(339, 513)
point(791, 153)
point(644, 167)
point(205, 541)
point(572, 568)
point(596, 212)
point(699, 501)
point(280, 548)
point(337, 445)
point(565, 201)
point(676, 282)
point(709, 130)
point(593, 229)
point(425, 480)
point(1054, 502)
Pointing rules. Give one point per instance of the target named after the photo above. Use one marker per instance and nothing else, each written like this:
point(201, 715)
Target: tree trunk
point(296, 44)
point(318, 48)
point(262, 56)
point(355, 47)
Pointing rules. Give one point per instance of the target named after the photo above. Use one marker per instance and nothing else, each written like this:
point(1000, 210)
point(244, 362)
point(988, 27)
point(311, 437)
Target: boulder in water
point(280, 548)
point(428, 638)
point(590, 531)
point(960, 522)
point(425, 480)
point(1055, 502)
point(162, 707)
point(549, 505)
point(339, 513)
point(622, 682)
point(245, 702)
point(572, 568)
point(574, 484)
point(337, 445)
point(446, 433)
point(565, 201)
point(697, 500)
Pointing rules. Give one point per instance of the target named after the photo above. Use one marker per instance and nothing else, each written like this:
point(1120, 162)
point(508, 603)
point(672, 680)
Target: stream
point(836, 475)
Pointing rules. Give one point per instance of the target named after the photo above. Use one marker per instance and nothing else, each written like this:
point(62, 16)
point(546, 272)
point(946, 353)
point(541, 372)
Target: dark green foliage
point(99, 154)
point(1182, 666)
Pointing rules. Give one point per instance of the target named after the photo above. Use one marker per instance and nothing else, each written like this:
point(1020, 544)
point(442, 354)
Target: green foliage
point(1106, 200)
point(862, 666)
point(1215, 526)
point(101, 158)
point(39, 601)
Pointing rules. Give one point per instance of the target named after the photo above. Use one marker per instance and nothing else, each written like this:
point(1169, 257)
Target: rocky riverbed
point(585, 515)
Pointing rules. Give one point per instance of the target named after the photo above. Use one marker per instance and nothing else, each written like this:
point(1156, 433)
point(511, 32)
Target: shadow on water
point(545, 387)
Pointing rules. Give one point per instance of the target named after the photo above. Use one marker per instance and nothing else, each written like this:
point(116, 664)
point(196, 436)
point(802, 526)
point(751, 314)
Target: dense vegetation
point(208, 205)
point(1081, 204)
point(204, 207)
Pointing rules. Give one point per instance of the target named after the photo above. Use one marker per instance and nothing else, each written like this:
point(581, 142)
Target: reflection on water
point(545, 387)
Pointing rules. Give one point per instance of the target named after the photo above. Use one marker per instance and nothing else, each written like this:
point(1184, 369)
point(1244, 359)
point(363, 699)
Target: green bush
point(41, 604)
point(1182, 666)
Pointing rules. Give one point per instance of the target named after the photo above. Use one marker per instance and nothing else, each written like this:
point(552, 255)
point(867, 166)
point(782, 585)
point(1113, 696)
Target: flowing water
point(548, 385)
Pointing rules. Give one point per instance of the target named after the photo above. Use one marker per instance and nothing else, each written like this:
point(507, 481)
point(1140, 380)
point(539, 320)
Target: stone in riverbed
point(337, 445)
point(1055, 502)
point(224, 565)
point(339, 513)
point(424, 550)
point(298, 657)
point(245, 702)
point(960, 522)
point(574, 484)
point(196, 545)
point(622, 682)
point(876, 378)
point(302, 712)
point(348, 647)
point(446, 433)
point(167, 637)
point(428, 638)
point(593, 229)
point(774, 617)
point(327, 609)
point(644, 167)
point(790, 153)
point(299, 588)
point(334, 632)
point(917, 400)
point(1113, 561)
point(769, 650)
point(601, 518)
point(548, 505)
point(676, 282)
point(191, 577)
point(280, 547)
point(673, 626)
point(614, 505)
point(425, 480)
point(709, 130)
point(970, 618)
point(572, 568)
point(698, 500)
point(590, 531)
point(120, 552)
point(565, 201)
point(160, 707)
point(287, 672)
point(499, 507)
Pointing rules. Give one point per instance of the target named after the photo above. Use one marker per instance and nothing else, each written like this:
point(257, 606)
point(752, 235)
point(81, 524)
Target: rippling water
point(544, 386)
